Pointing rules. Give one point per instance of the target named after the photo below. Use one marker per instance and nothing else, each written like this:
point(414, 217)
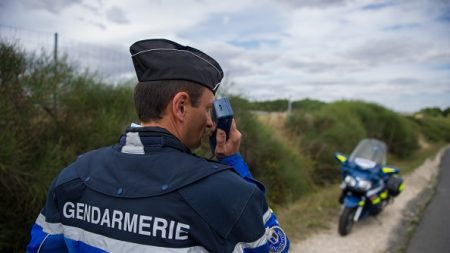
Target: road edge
point(413, 212)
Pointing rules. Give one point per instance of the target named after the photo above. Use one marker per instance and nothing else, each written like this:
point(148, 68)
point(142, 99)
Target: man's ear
point(179, 105)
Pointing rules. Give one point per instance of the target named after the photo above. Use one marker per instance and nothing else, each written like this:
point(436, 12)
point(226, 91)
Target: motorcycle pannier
point(393, 185)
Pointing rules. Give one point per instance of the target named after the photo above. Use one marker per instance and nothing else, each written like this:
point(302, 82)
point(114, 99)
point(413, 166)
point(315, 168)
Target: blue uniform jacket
point(149, 193)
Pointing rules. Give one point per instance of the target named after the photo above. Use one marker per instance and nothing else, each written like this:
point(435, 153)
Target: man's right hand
point(228, 147)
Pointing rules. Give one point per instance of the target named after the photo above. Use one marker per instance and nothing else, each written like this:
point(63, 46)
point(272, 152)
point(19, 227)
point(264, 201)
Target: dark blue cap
point(161, 59)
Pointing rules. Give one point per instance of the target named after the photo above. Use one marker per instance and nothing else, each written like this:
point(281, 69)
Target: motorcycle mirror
point(340, 157)
point(390, 170)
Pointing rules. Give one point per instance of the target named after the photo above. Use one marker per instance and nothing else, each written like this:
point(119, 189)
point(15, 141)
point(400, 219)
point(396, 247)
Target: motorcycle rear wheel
point(346, 221)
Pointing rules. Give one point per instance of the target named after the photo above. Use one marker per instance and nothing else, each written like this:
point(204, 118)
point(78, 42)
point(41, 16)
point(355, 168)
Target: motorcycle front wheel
point(346, 221)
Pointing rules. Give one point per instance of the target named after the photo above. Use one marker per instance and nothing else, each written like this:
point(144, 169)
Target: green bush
point(49, 115)
point(339, 126)
point(446, 112)
point(386, 125)
point(279, 105)
point(285, 173)
point(435, 129)
point(17, 152)
point(307, 104)
point(321, 134)
point(433, 111)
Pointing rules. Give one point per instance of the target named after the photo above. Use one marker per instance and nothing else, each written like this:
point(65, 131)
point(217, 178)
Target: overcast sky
point(394, 53)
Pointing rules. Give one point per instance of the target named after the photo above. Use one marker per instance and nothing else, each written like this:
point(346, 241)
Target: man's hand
point(231, 146)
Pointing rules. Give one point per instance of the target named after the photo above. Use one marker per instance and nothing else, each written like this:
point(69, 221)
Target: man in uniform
point(149, 193)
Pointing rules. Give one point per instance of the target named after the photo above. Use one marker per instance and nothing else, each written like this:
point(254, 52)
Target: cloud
point(382, 52)
point(314, 3)
point(398, 27)
point(401, 81)
point(377, 6)
point(110, 62)
point(325, 49)
point(5, 7)
point(314, 66)
point(241, 26)
point(116, 15)
point(92, 7)
point(255, 44)
point(93, 23)
point(53, 6)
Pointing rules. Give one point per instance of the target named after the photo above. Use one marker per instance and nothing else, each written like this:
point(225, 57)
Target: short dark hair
point(152, 97)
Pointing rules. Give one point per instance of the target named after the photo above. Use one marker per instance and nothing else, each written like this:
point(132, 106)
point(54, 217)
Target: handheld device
point(222, 115)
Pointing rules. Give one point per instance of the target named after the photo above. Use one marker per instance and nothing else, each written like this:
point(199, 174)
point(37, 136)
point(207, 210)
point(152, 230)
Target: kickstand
point(378, 221)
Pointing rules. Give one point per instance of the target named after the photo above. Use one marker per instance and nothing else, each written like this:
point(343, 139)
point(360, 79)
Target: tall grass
point(49, 115)
point(341, 125)
point(281, 105)
point(434, 128)
point(285, 173)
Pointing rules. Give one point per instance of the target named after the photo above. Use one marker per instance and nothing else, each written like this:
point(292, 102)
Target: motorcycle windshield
point(369, 153)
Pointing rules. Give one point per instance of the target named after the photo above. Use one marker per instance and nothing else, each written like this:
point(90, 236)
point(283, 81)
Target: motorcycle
point(368, 185)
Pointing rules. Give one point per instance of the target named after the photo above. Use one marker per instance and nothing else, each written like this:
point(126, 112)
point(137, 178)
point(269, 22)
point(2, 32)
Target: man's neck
point(164, 123)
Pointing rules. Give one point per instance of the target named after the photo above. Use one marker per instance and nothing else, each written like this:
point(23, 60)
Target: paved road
point(433, 233)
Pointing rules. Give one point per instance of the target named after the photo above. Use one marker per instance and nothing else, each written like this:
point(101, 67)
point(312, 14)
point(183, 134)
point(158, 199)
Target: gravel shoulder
point(387, 233)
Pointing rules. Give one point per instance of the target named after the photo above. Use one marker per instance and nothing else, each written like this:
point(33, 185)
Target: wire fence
point(109, 63)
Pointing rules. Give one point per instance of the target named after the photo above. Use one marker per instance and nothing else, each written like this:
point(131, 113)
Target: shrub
point(284, 172)
point(307, 104)
point(339, 126)
point(433, 111)
point(386, 125)
point(279, 105)
point(321, 134)
point(435, 129)
point(50, 114)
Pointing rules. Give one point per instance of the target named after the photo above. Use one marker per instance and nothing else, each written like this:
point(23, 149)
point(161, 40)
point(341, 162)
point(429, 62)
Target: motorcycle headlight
point(364, 184)
point(350, 181)
point(358, 183)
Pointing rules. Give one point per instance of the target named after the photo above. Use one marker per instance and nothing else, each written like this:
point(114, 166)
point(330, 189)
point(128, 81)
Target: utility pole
point(55, 73)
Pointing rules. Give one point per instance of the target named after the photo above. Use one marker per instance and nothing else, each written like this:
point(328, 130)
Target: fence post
point(289, 106)
point(55, 69)
point(55, 48)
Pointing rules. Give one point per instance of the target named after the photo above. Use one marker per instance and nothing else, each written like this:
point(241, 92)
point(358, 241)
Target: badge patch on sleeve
point(277, 239)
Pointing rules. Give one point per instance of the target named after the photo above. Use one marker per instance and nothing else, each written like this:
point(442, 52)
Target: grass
point(310, 214)
point(408, 165)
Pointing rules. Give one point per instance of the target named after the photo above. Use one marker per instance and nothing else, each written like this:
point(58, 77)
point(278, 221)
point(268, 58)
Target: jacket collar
point(141, 140)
